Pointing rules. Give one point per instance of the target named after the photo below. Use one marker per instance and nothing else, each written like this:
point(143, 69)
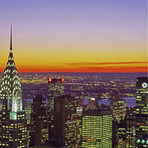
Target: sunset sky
point(75, 35)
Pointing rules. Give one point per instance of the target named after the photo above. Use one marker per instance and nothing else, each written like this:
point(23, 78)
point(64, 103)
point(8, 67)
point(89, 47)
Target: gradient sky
point(75, 35)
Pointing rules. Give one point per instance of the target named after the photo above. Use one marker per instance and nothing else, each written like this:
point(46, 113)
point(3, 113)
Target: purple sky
point(105, 30)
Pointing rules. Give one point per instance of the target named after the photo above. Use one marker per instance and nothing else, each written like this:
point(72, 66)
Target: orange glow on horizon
point(108, 69)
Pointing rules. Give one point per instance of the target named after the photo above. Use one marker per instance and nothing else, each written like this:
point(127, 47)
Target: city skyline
point(98, 36)
point(71, 115)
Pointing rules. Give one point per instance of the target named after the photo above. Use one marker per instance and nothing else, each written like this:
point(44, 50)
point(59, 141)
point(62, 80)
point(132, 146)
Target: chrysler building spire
point(11, 84)
point(11, 38)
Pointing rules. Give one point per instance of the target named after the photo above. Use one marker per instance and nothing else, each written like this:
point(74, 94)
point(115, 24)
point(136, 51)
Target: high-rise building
point(65, 120)
point(130, 128)
point(79, 110)
point(118, 107)
point(39, 122)
point(55, 89)
point(142, 112)
point(97, 129)
point(13, 123)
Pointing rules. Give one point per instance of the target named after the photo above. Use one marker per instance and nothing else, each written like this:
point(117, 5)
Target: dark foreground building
point(65, 120)
point(39, 122)
point(55, 89)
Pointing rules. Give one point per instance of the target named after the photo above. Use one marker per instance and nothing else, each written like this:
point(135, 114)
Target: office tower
point(97, 129)
point(142, 112)
point(131, 128)
point(79, 110)
point(65, 120)
point(39, 122)
point(79, 129)
point(55, 89)
point(13, 125)
point(118, 107)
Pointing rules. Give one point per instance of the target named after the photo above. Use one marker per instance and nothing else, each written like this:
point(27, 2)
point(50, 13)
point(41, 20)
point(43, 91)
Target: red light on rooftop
point(49, 79)
point(63, 79)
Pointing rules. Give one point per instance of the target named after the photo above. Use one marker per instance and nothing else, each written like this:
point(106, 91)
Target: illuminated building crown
point(11, 85)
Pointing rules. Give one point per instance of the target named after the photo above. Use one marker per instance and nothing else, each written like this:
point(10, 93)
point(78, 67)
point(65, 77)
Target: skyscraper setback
point(13, 125)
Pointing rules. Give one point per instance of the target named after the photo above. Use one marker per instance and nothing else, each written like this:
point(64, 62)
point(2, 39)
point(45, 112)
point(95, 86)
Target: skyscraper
point(13, 123)
point(39, 122)
point(97, 129)
point(65, 120)
point(142, 111)
point(55, 89)
point(130, 128)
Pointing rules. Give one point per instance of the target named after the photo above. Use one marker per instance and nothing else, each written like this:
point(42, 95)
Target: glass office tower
point(97, 129)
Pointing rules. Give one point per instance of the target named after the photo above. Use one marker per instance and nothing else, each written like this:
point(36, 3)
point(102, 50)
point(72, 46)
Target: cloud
point(105, 63)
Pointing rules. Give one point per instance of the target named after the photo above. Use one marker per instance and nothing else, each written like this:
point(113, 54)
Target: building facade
point(131, 129)
point(97, 129)
point(142, 112)
point(65, 124)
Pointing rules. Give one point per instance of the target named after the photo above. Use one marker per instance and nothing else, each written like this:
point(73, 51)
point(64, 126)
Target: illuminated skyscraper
point(39, 122)
point(65, 120)
point(97, 129)
point(13, 123)
point(55, 89)
point(118, 107)
point(131, 128)
point(142, 112)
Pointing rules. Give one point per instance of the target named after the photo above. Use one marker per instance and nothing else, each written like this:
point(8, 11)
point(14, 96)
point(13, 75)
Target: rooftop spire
point(11, 38)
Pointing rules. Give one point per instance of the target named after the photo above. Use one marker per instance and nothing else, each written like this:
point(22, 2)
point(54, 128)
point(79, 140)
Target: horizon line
point(76, 72)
